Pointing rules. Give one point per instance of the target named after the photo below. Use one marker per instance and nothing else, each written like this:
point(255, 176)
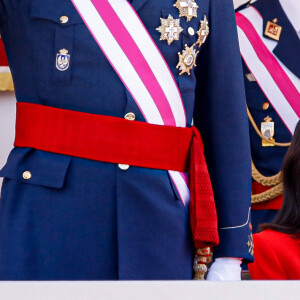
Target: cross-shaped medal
point(203, 32)
point(170, 29)
point(187, 8)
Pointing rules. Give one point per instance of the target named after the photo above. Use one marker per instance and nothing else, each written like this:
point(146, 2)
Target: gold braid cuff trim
point(261, 135)
point(6, 82)
point(270, 194)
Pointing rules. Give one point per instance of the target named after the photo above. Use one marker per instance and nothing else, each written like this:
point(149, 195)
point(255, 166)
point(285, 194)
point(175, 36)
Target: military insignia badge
point(63, 60)
point(170, 29)
point(187, 59)
point(187, 8)
point(203, 32)
point(250, 244)
point(273, 30)
point(268, 131)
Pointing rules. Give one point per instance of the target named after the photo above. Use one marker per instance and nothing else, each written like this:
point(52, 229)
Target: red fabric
point(276, 256)
point(117, 140)
point(3, 58)
point(275, 203)
point(202, 207)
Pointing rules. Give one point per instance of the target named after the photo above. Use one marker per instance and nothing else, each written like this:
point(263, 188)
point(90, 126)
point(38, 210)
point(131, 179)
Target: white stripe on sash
point(4, 70)
point(286, 103)
point(266, 82)
point(148, 78)
point(154, 58)
point(118, 59)
point(181, 183)
point(257, 21)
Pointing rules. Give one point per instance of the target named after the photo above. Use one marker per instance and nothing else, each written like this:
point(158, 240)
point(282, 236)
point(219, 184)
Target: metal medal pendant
point(170, 29)
point(203, 32)
point(63, 60)
point(273, 30)
point(187, 8)
point(268, 131)
point(187, 60)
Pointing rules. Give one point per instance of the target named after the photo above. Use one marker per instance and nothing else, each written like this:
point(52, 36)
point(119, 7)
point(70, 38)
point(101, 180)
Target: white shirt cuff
point(225, 269)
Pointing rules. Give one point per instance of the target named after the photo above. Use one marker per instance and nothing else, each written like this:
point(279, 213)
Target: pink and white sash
point(133, 54)
point(277, 82)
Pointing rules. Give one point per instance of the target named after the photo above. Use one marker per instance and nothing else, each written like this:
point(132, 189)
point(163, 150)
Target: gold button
point(64, 19)
point(27, 175)
point(191, 31)
point(266, 105)
point(130, 116)
point(123, 167)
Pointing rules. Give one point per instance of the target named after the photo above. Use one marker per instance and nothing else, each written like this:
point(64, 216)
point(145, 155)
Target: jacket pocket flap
point(54, 10)
point(43, 168)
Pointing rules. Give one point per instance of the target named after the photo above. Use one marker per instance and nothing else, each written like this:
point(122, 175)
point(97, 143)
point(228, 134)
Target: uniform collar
point(288, 47)
point(137, 4)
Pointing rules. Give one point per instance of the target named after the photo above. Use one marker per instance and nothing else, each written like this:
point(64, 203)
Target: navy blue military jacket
point(82, 219)
point(268, 160)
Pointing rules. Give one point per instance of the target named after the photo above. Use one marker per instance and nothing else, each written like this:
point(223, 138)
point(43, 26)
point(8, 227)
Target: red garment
point(3, 58)
point(117, 140)
point(276, 256)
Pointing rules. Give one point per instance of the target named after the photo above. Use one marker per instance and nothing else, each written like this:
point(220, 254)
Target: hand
point(225, 269)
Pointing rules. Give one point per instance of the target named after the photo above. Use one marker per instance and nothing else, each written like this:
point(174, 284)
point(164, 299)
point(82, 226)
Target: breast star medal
point(63, 60)
point(273, 30)
point(268, 131)
point(170, 29)
point(187, 8)
point(187, 59)
point(203, 32)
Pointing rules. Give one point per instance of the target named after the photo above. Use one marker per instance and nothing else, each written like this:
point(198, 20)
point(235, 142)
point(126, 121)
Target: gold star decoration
point(170, 29)
point(203, 32)
point(187, 60)
point(187, 8)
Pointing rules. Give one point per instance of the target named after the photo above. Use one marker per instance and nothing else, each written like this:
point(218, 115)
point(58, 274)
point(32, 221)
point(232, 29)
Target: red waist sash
point(116, 140)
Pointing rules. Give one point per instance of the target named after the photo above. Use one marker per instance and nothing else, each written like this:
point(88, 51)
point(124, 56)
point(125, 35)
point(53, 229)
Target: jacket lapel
point(288, 47)
point(137, 4)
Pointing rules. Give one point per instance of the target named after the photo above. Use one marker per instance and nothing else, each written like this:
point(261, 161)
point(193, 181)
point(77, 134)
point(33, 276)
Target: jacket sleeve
point(220, 115)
